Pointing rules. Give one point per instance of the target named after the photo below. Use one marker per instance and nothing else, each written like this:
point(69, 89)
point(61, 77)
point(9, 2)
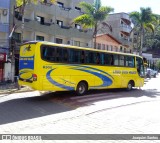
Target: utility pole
point(12, 47)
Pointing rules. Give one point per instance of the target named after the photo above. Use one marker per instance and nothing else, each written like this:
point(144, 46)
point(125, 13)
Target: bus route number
point(47, 67)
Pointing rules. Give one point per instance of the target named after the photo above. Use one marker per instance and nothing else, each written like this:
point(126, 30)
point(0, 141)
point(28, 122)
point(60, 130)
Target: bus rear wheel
point(81, 88)
point(130, 85)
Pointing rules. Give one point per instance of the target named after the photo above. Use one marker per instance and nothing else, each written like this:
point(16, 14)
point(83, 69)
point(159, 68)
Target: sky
point(132, 5)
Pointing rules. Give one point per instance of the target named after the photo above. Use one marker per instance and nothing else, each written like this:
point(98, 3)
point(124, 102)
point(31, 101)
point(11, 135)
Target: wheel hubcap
point(81, 89)
point(129, 86)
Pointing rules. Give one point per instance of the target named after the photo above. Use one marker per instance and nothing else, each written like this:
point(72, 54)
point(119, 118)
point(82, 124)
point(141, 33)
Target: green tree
point(143, 21)
point(93, 15)
point(158, 64)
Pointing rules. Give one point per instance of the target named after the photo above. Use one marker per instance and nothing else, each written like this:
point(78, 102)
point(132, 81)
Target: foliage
point(144, 22)
point(94, 14)
point(158, 64)
point(24, 2)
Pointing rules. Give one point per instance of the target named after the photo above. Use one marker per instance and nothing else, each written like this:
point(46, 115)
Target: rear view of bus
point(26, 65)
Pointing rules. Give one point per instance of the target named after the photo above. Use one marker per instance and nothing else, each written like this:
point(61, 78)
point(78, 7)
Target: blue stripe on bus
point(56, 83)
point(93, 69)
point(106, 80)
point(79, 67)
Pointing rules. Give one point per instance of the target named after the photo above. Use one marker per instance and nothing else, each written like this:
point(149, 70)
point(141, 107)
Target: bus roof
point(76, 47)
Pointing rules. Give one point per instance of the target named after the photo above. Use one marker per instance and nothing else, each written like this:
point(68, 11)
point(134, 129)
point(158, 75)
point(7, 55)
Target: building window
point(40, 19)
point(77, 26)
point(116, 48)
point(60, 4)
point(121, 60)
point(121, 48)
point(60, 23)
point(103, 46)
point(59, 41)
point(107, 47)
point(98, 46)
point(111, 48)
point(122, 22)
point(39, 38)
point(77, 8)
point(77, 43)
point(17, 37)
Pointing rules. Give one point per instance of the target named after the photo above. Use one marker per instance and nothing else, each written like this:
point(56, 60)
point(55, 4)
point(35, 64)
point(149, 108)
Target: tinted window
point(121, 60)
point(91, 57)
point(48, 53)
point(130, 61)
point(74, 56)
point(116, 60)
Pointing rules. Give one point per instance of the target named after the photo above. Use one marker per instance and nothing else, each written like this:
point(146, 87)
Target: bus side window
point(110, 60)
point(97, 58)
point(107, 59)
point(130, 61)
point(91, 57)
point(121, 60)
point(86, 56)
point(82, 57)
point(65, 55)
point(115, 60)
point(102, 59)
point(77, 56)
point(44, 52)
point(53, 54)
point(58, 54)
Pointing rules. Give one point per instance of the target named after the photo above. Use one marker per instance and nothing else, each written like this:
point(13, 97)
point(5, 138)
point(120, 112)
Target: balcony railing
point(126, 28)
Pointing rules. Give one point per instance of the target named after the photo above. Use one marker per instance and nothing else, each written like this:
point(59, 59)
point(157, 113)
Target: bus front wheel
point(81, 88)
point(130, 85)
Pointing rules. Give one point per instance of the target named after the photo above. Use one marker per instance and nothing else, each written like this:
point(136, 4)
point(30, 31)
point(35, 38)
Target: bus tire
point(81, 88)
point(130, 85)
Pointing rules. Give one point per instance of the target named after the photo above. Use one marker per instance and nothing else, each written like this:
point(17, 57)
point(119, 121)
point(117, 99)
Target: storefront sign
point(2, 57)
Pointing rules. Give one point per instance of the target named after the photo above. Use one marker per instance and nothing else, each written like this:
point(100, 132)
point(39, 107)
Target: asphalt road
point(100, 111)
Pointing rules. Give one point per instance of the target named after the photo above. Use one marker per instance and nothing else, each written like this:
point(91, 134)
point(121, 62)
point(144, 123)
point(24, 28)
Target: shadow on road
point(52, 103)
point(27, 108)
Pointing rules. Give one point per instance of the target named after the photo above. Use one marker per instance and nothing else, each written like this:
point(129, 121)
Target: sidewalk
point(8, 88)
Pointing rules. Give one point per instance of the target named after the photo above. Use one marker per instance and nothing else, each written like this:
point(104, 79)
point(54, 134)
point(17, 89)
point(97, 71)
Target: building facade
point(109, 43)
point(52, 22)
point(44, 21)
point(4, 40)
point(120, 29)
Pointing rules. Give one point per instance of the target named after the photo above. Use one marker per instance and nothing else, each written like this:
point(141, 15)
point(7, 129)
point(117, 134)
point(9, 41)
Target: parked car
point(151, 73)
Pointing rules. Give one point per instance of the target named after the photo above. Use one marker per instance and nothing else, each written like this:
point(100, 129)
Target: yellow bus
point(49, 66)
